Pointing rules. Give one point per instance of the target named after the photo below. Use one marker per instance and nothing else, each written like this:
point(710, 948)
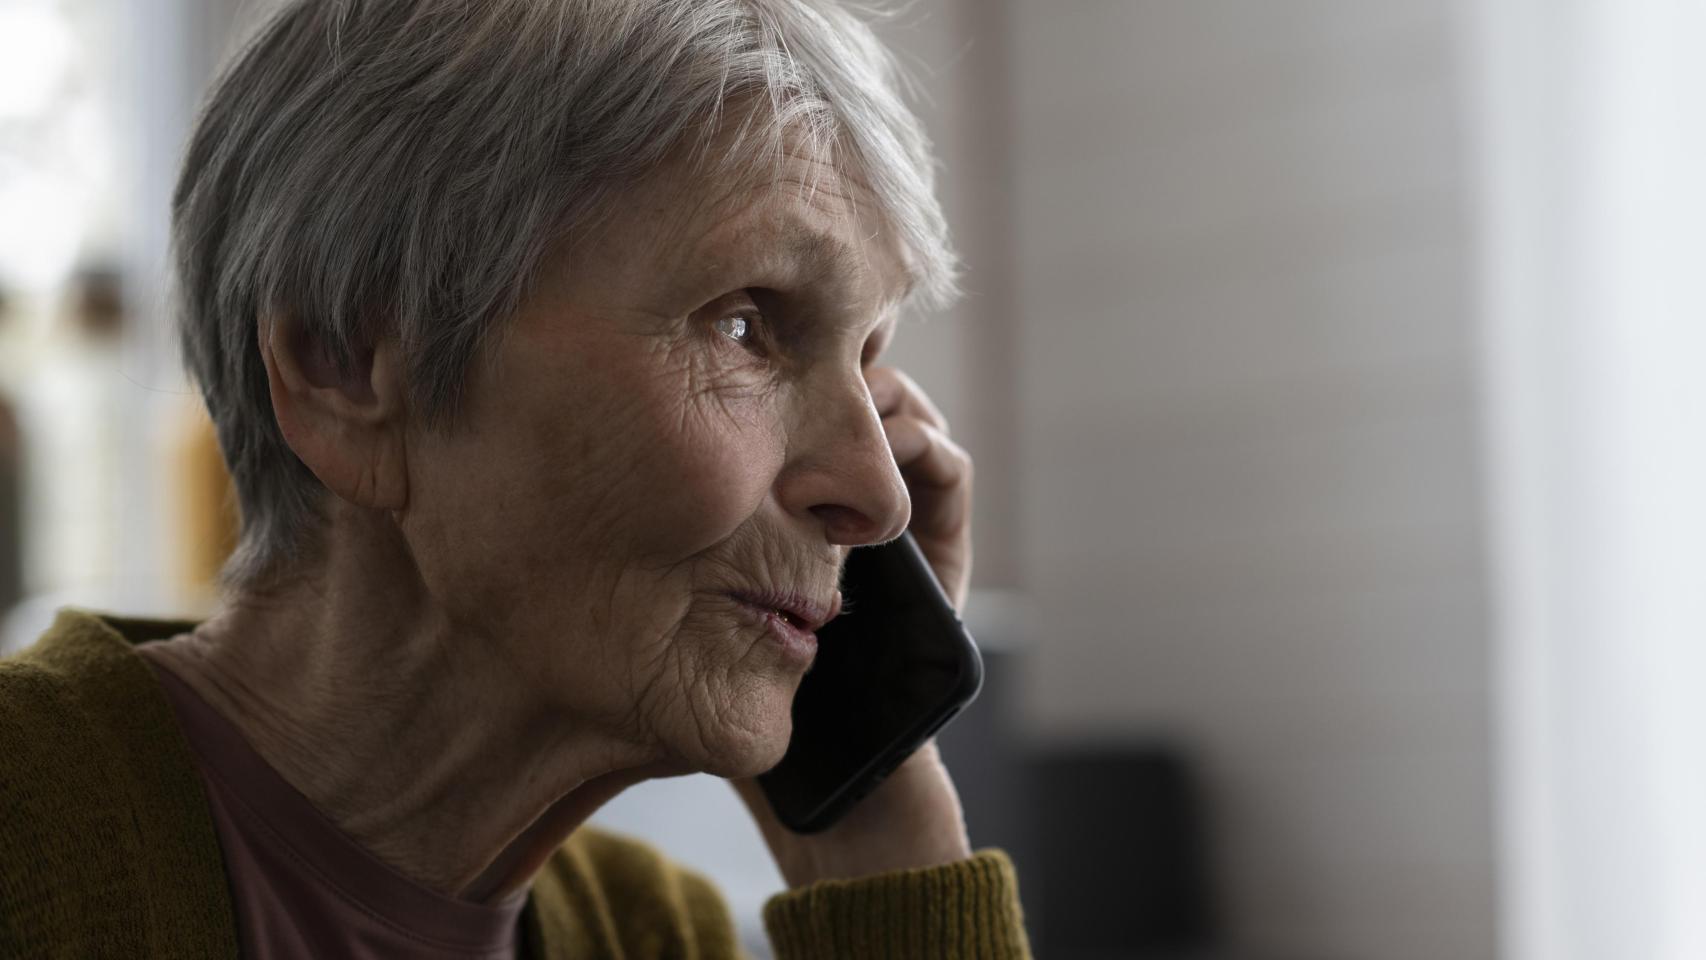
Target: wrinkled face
point(679, 416)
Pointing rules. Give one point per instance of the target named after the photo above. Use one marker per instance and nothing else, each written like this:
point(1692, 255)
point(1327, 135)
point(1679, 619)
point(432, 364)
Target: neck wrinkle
point(413, 736)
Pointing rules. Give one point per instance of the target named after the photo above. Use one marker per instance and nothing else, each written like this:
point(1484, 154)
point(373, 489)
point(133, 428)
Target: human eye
point(741, 327)
point(739, 320)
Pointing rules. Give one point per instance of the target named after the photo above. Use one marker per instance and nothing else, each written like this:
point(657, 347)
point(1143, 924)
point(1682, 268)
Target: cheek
point(635, 456)
point(723, 701)
point(703, 466)
point(696, 454)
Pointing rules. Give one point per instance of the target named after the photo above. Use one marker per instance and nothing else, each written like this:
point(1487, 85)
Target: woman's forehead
point(808, 219)
point(696, 230)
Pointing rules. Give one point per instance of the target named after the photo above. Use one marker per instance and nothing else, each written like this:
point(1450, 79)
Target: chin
point(750, 753)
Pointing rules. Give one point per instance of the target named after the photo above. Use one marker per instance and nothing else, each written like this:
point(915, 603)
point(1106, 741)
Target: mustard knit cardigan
point(107, 847)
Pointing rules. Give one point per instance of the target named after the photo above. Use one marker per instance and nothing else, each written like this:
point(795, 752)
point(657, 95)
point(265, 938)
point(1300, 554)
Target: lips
point(800, 611)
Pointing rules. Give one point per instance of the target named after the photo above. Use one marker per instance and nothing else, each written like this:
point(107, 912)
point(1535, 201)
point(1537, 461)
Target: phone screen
point(890, 671)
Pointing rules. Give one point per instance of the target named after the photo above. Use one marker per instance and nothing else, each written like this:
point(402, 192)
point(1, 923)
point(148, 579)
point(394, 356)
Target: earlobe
point(346, 425)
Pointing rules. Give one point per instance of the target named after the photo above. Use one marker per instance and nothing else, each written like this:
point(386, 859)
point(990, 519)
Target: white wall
point(1247, 443)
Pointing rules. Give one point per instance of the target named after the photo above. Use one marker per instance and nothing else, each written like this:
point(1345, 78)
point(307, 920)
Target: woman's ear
point(347, 426)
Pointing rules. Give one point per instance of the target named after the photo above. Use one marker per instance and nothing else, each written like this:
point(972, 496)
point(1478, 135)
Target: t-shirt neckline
point(332, 857)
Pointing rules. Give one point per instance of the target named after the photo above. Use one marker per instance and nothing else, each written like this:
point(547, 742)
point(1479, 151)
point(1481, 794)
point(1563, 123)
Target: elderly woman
point(541, 336)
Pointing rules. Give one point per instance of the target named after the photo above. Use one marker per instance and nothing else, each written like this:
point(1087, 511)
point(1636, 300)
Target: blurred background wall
point(1248, 381)
point(1263, 300)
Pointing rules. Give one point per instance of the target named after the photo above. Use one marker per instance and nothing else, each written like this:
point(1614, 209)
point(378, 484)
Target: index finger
point(894, 392)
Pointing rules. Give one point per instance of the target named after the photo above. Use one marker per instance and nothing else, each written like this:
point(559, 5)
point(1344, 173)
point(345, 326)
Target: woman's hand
point(913, 819)
point(938, 475)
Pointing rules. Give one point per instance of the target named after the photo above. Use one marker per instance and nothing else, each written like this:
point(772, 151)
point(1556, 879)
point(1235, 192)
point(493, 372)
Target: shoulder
point(632, 868)
point(50, 746)
point(56, 813)
point(619, 891)
point(72, 706)
point(99, 798)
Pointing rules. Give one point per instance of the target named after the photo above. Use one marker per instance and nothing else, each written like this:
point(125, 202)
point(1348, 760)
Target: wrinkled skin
point(633, 451)
point(517, 618)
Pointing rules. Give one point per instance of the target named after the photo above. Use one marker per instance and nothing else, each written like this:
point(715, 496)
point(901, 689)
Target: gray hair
point(398, 169)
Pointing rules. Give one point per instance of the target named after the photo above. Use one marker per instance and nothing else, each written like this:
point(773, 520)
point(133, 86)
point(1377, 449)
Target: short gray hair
point(398, 169)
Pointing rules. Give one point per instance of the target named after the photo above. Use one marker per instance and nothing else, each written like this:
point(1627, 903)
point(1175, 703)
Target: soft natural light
point(44, 174)
point(41, 229)
point(35, 47)
point(1597, 307)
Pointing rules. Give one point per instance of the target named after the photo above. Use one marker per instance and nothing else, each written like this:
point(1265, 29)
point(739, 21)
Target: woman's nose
point(840, 469)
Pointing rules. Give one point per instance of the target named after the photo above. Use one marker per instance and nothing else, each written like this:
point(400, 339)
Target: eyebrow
point(826, 253)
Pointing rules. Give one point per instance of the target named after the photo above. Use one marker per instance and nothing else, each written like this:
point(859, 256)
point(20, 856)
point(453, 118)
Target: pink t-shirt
point(302, 888)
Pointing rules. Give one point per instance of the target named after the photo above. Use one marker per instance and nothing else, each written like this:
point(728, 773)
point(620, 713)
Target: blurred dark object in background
point(1110, 841)
point(98, 305)
point(1121, 861)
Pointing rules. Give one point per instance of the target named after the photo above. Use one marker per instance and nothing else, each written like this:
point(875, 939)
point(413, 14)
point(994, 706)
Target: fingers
point(894, 393)
point(925, 453)
point(938, 473)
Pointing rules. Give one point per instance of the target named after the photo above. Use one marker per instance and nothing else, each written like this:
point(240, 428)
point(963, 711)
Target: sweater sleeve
point(959, 910)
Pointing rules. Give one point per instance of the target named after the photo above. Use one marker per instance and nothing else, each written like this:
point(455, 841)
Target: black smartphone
point(890, 671)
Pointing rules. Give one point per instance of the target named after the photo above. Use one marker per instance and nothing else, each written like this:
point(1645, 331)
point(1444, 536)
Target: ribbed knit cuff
point(955, 911)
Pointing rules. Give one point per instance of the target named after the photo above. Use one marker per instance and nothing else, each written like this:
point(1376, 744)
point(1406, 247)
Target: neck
point(444, 767)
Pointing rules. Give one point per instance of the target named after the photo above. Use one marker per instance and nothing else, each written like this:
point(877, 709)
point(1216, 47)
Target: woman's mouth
point(797, 608)
point(792, 631)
